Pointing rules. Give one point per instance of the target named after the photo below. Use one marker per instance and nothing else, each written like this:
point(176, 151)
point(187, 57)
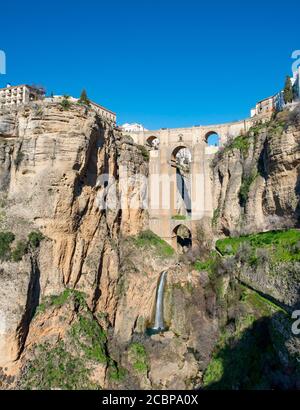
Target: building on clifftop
point(20, 94)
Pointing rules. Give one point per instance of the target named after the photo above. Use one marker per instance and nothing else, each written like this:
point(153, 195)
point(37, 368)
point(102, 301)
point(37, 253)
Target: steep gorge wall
point(51, 163)
point(256, 178)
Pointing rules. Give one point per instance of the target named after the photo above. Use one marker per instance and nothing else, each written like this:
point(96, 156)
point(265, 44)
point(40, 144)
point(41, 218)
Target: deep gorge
point(79, 273)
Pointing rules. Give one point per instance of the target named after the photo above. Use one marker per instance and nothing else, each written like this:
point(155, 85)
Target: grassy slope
point(245, 356)
point(283, 246)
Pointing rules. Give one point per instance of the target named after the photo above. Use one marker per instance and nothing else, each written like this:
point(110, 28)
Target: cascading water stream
point(159, 311)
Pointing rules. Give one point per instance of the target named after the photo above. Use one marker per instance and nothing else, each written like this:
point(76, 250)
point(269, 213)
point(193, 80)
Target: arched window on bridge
point(181, 162)
point(212, 139)
point(152, 142)
point(182, 238)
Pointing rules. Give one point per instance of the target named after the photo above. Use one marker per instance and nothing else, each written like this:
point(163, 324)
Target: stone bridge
point(163, 174)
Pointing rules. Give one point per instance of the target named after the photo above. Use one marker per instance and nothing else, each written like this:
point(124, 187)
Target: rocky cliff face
point(256, 178)
point(78, 282)
point(79, 269)
point(51, 166)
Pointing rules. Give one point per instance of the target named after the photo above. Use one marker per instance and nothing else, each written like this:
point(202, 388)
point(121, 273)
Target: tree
point(288, 91)
point(83, 98)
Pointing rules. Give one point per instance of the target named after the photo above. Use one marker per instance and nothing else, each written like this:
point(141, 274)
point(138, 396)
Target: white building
point(276, 102)
point(133, 127)
point(264, 107)
point(20, 94)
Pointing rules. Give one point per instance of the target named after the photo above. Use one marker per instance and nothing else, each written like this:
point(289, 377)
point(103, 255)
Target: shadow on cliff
point(32, 302)
point(259, 358)
point(88, 171)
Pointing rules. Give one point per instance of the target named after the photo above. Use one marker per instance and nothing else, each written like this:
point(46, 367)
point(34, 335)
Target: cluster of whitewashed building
point(20, 94)
point(25, 94)
point(276, 102)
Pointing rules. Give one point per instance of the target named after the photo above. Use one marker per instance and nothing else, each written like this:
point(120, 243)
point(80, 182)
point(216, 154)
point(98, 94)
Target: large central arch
point(180, 181)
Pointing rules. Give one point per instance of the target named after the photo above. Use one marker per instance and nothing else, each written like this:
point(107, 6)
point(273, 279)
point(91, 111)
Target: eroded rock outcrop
point(256, 178)
point(75, 266)
point(52, 163)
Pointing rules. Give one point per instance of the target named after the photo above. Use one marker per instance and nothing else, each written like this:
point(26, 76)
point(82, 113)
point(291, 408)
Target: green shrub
point(245, 187)
point(83, 99)
point(144, 152)
point(56, 368)
point(65, 102)
point(59, 300)
point(6, 239)
point(34, 239)
point(90, 337)
point(139, 357)
point(115, 373)
point(242, 143)
point(245, 353)
point(281, 245)
point(148, 239)
point(19, 251)
point(179, 217)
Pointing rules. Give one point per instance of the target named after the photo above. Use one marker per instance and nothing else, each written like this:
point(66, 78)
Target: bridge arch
point(181, 238)
point(212, 138)
point(177, 149)
point(153, 142)
point(181, 157)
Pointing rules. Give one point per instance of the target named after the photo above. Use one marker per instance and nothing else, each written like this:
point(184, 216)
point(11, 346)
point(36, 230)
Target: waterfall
point(159, 311)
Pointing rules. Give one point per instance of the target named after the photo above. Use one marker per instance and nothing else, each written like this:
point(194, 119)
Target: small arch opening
point(212, 139)
point(183, 238)
point(152, 142)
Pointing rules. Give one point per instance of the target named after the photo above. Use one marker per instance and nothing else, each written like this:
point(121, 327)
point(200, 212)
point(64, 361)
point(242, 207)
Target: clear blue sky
point(163, 63)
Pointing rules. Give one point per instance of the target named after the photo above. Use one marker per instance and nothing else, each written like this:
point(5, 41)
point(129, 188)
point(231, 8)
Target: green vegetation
point(288, 90)
point(208, 264)
point(19, 251)
point(215, 217)
point(83, 99)
point(22, 247)
point(6, 239)
point(69, 363)
point(61, 299)
point(34, 239)
point(179, 217)
point(144, 152)
point(282, 246)
point(90, 338)
point(244, 357)
point(56, 368)
point(65, 103)
point(139, 357)
point(241, 143)
point(115, 373)
point(245, 187)
point(260, 304)
point(147, 239)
